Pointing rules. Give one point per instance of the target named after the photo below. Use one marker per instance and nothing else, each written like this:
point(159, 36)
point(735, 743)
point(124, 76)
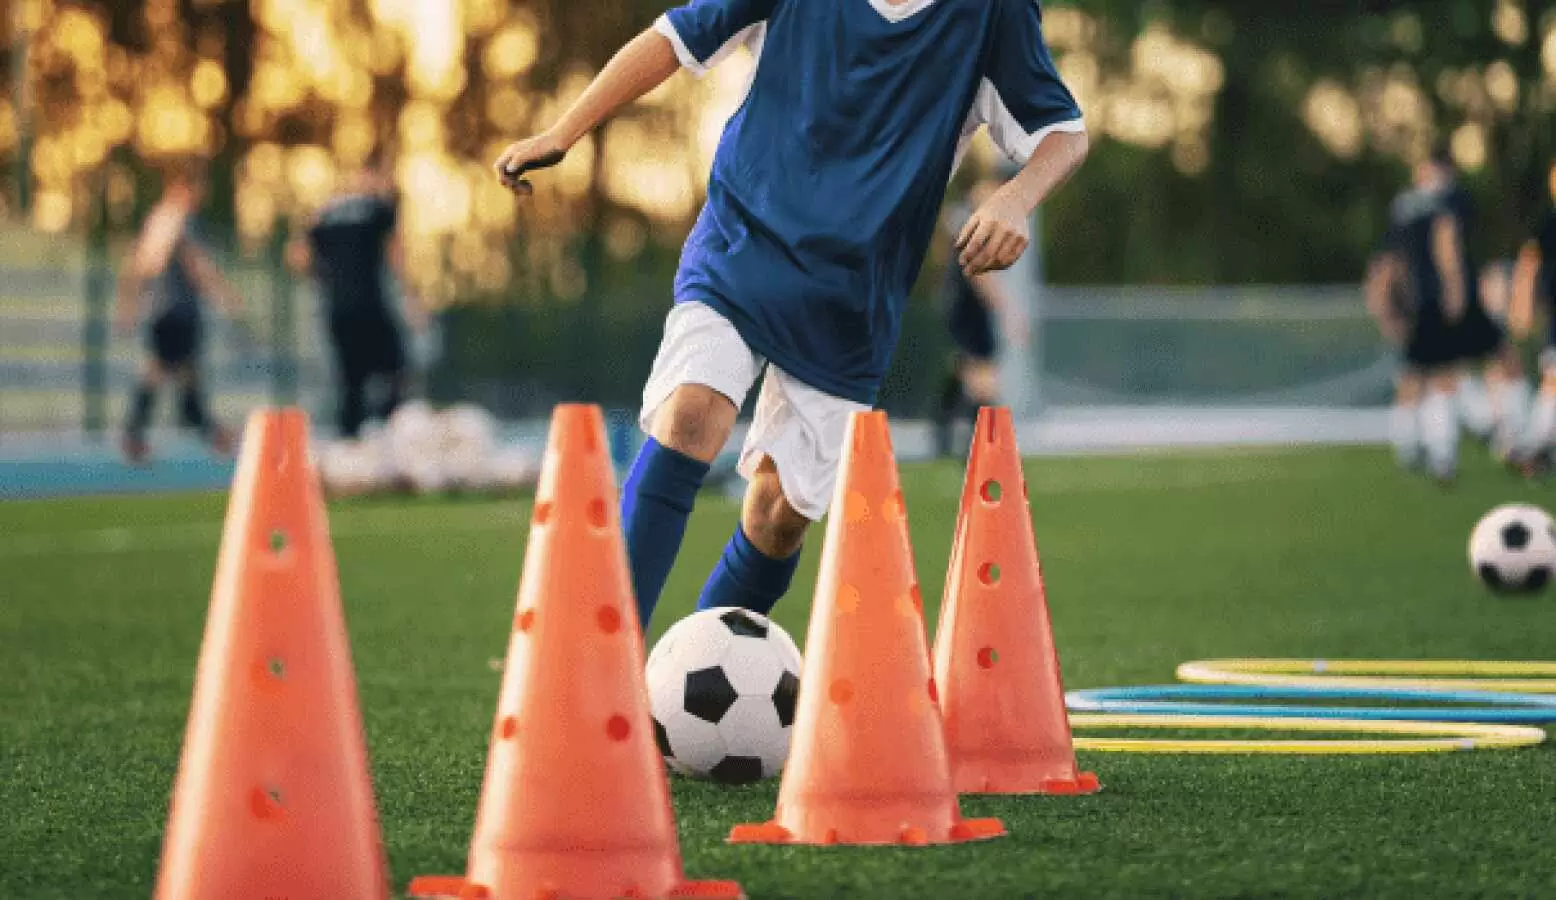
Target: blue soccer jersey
point(828, 180)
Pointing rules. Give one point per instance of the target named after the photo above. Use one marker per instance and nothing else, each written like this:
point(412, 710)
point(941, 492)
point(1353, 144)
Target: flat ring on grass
point(1425, 674)
point(1418, 737)
point(1187, 700)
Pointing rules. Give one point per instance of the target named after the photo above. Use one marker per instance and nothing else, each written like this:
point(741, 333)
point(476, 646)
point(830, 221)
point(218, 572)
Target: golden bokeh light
point(443, 85)
point(1334, 116)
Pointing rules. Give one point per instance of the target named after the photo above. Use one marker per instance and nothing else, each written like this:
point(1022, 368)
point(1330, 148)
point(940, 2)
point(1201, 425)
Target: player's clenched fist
point(539, 152)
point(995, 237)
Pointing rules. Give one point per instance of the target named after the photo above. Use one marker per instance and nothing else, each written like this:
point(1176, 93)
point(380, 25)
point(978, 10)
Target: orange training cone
point(273, 797)
point(575, 803)
point(868, 763)
point(1001, 693)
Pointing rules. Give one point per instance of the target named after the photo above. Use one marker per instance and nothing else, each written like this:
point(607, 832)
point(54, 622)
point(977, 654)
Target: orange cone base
point(906, 835)
point(455, 887)
point(1020, 778)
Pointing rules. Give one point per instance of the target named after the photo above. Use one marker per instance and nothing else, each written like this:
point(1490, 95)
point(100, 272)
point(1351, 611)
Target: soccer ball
point(469, 442)
point(1513, 549)
point(723, 684)
point(415, 435)
point(350, 468)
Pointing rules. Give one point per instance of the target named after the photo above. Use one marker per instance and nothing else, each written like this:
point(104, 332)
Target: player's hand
point(539, 152)
point(995, 237)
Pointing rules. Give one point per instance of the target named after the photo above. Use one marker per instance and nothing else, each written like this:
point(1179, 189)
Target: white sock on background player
point(1477, 406)
point(1440, 433)
point(1542, 426)
point(1511, 400)
point(1405, 434)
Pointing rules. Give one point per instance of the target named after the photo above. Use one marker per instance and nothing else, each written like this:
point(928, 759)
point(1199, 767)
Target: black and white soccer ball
point(1513, 549)
point(723, 683)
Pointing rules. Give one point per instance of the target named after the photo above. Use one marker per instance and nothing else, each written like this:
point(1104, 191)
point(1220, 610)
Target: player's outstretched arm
point(1521, 302)
point(998, 232)
point(1378, 288)
point(210, 280)
point(644, 64)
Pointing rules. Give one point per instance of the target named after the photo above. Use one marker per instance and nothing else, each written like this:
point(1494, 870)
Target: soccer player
point(170, 267)
point(1482, 343)
point(1534, 289)
point(352, 249)
point(1451, 327)
point(973, 308)
point(824, 195)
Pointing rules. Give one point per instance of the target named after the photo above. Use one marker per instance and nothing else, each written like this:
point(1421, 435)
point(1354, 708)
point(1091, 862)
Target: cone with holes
point(273, 797)
point(868, 760)
point(575, 802)
point(1001, 693)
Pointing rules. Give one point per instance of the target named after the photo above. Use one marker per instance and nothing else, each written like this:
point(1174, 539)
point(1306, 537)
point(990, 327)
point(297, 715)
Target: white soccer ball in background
point(512, 469)
point(350, 468)
point(415, 435)
point(723, 683)
point(1513, 549)
point(469, 444)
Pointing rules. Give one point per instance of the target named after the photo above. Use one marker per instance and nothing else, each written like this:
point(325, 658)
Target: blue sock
point(747, 578)
point(656, 500)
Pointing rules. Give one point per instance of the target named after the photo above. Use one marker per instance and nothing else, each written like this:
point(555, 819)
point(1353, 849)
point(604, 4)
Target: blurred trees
point(1233, 143)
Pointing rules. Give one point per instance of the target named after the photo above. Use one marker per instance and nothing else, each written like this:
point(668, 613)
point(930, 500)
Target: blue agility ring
point(1189, 700)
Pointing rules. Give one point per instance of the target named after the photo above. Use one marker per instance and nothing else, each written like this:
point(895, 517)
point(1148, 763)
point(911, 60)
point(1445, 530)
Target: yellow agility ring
point(1421, 737)
point(1429, 674)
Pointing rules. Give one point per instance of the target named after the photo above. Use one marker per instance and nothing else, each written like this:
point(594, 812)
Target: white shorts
point(798, 427)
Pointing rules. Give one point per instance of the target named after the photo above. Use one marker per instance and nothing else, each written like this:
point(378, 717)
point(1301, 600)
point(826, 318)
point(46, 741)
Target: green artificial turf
point(1149, 561)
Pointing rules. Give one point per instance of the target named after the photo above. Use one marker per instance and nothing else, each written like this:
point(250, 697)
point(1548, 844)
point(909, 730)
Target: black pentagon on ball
point(1493, 579)
point(709, 695)
point(784, 697)
point(663, 740)
point(1537, 579)
point(744, 624)
point(737, 770)
point(1515, 535)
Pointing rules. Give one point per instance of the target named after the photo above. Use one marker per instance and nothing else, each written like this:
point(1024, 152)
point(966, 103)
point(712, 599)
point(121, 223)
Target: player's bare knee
point(772, 525)
point(696, 421)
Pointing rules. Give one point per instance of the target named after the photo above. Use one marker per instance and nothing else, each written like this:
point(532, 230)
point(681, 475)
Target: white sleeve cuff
point(683, 53)
point(1025, 148)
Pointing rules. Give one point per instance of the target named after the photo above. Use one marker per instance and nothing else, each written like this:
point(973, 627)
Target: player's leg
point(351, 375)
point(791, 458)
point(948, 408)
point(700, 378)
point(1535, 447)
point(1404, 419)
point(1510, 397)
point(143, 403)
point(758, 563)
point(1440, 424)
point(392, 364)
point(1477, 408)
point(194, 411)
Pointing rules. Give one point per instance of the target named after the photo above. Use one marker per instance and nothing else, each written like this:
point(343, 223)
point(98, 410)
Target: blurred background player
point(1534, 295)
point(977, 309)
point(352, 249)
point(1483, 343)
point(1450, 327)
point(165, 281)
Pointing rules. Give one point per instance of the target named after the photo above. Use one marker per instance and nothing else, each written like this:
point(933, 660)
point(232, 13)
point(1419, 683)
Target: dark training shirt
point(350, 242)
